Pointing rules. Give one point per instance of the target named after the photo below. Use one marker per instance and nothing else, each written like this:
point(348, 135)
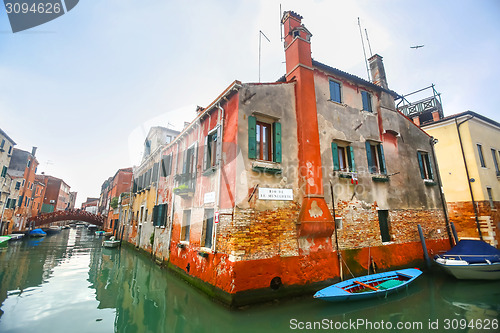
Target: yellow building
point(468, 154)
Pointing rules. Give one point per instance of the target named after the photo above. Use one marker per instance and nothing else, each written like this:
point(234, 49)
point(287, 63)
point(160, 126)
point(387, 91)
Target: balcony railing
point(426, 105)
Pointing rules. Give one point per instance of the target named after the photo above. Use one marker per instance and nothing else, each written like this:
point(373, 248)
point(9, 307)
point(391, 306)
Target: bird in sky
point(416, 46)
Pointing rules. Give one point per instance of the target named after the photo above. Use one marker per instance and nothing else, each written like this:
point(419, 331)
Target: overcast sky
point(85, 87)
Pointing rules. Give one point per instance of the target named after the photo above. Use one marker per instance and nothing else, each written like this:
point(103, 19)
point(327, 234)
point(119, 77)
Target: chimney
point(315, 222)
point(33, 151)
point(377, 71)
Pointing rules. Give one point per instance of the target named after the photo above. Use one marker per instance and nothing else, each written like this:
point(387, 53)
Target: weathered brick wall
point(361, 224)
point(253, 234)
point(462, 216)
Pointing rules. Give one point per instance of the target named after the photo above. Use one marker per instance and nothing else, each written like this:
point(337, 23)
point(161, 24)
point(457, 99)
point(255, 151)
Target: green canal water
point(70, 283)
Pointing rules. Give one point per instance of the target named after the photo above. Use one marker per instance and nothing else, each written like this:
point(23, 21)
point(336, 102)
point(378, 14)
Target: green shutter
point(155, 216)
point(252, 140)
point(4, 171)
point(20, 202)
point(335, 157)
point(382, 159)
point(421, 164)
point(431, 174)
point(352, 165)
point(369, 156)
point(277, 142)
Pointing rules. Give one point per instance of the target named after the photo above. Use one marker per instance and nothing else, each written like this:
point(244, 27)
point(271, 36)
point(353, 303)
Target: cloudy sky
point(85, 87)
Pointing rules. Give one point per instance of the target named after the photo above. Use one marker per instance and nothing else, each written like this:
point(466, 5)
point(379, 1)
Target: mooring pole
point(424, 247)
point(454, 231)
point(336, 237)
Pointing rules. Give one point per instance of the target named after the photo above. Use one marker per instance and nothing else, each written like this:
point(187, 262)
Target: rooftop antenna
point(260, 37)
point(368, 40)
point(364, 52)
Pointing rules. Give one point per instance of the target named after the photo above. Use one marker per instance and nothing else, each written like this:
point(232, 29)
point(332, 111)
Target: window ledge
point(380, 178)
point(338, 103)
point(429, 182)
point(204, 252)
point(210, 171)
point(345, 174)
point(269, 167)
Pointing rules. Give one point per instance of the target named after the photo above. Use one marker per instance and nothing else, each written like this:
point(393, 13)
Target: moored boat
point(471, 260)
point(4, 240)
point(369, 286)
point(99, 232)
point(53, 230)
point(37, 233)
point(14, 237)
point(110, 243)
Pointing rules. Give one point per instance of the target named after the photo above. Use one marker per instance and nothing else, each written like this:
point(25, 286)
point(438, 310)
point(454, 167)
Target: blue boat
point(471, 260)
point(37, 233)
point(369, 286)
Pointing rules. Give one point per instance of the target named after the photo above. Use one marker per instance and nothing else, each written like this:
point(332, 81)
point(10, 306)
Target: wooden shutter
point(381, 157)
point(252, 140)
point(421, 164)
point(335, 157)
point(335, 91)
point(352, 165)
point(431, 174)
point(218, 147)
point(277, 142)
point(369, 156)
point(205, 154)
point(155, 216)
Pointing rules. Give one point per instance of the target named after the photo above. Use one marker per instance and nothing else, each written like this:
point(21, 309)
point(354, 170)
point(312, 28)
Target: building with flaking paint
point(258, 195)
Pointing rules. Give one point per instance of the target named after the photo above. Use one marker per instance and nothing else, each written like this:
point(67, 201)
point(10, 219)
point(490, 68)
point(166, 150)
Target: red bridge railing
point(66, 215)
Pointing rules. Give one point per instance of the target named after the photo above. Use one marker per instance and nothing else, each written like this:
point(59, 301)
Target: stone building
point(256, 197)
point(468, 154)
point(6, 201)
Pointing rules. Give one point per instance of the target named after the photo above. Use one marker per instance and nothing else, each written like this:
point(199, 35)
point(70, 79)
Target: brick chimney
point(33, 151)
point(377, 71)
point(315, 224)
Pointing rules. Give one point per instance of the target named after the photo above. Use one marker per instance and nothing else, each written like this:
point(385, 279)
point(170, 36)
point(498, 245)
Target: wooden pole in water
point(336, 237)
point(424, 247)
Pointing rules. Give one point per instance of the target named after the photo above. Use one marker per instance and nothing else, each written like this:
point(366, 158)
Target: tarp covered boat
point(37, 233)
point(471, 259)
point(369, 286)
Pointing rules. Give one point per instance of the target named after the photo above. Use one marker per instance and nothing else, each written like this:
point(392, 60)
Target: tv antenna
point(260, 47)
point(364, 52)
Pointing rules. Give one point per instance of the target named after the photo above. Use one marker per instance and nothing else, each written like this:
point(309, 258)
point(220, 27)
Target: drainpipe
point(172, 202)
point(468, 177)
point(433, 141)
point(219, 176)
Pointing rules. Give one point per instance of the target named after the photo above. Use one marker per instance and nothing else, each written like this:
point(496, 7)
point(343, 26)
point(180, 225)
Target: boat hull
point(471, 271)
point(111, 244)
point(341, 291)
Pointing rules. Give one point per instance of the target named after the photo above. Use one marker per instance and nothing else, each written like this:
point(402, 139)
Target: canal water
point(69, 283)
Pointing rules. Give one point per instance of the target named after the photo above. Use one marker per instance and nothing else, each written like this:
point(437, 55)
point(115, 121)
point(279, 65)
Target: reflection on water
point(68, 282)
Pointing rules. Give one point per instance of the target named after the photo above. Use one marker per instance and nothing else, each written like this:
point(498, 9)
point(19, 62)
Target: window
point(166, 165)
point(495, 161)
point(383, 221)
point(2, 144)
point(10, 150)
point(18, 185)
point(490, 197)
point(375, 157)
point(208, 227)
point(343, 158)
point(154, 176)
point(28, 164)
point(481, 158)
point(186, 224)
point(189, 166)
point(20, 201)
point(4, 171)
point(160, 215)
point(264, 140)
point(424, 163)
point(335, 91)
point(367, 101)
point(212, 149)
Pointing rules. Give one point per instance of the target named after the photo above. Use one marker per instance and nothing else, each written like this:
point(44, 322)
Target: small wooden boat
point(52, 230)
point(100, 232)
point(369, 286)
point(37, 233)
point(471, 260)
point(14, 237)
point(110, 243)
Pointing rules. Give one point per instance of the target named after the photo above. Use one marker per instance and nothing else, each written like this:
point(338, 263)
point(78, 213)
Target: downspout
point(172, 203)
point(433, 141)
point(219, 175)
point(468, 177)
point(153, 252)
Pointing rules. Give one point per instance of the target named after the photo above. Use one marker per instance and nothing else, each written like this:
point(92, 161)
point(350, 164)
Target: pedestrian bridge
point(66, 215)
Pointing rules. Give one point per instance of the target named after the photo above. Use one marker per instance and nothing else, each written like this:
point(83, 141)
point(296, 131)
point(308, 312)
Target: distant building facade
point(6, 147)
point(90, 205)
point(468, 154)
